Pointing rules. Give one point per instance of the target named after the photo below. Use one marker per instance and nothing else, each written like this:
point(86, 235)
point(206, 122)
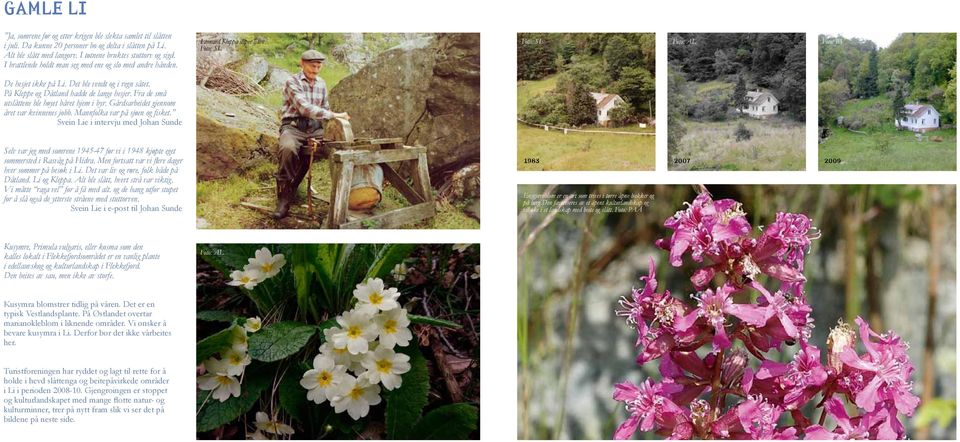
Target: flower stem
point(715, 386)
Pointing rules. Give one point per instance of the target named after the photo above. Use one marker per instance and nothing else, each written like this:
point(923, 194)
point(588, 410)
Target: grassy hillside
point(583, 151)
point(531, 88)
point(776, 144)
point(882, 147)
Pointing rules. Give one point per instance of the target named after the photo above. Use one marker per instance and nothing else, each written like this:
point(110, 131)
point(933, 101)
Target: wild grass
point(538, 149)
point(845, 150)
point(776, 144)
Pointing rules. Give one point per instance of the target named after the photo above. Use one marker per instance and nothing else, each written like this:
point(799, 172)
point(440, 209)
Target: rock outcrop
point(232, 134)
point(428, 94)
point(255, 67)
point(276, 78)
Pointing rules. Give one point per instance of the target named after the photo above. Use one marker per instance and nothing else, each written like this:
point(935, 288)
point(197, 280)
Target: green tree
point(676, 108)
point(637, 86)
point(619, 54)
point(832, 95)
point(740, 94)
point(722, 63)
point(622, 115)
point(580, 106)
point(899, 91)
point(950, 95)
point(840, 73)
point(535, 57)
point(866, 85)
point(793, 88)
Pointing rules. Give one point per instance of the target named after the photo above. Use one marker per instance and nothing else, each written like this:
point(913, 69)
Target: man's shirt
point(300, 99)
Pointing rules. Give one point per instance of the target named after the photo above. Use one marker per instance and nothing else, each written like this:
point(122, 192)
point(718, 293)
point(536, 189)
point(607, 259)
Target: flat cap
point(310, 55)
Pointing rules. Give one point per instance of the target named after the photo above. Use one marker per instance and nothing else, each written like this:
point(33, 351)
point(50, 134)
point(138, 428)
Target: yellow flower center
point(224, 380)
point(390, 326)
point(354, 332)
point(324, 378)
point(340, 351)
point(356, 393)
point(235, 358)
point(376, 298)
point(384, 366)
point(244, 279)
point(266, 267)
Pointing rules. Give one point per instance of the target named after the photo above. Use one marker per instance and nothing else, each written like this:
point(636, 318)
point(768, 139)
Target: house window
point(923, 121)
point(768, 99)
point(763, 109)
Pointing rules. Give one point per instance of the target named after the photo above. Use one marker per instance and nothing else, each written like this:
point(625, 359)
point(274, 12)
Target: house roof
point(756, 96)
point(916, 110)
point(604, 99)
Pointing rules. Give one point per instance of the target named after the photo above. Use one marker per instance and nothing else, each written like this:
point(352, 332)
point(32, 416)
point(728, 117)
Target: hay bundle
point(212, 74)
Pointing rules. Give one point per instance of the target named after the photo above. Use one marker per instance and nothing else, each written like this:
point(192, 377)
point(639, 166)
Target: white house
point(918, 118)
point(761, 104)
point(605, 103)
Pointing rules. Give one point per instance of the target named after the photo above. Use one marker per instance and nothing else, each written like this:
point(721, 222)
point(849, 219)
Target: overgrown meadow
point(338, 341)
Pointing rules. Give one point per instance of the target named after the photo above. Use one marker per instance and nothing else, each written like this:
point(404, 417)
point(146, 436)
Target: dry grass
point(776, 144)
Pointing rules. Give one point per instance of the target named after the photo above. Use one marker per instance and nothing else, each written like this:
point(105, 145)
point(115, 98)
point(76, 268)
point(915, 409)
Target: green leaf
point(328, 265)
point(387, 257)
point(212, 413)
point(214, 343)
point(404, 404)
point(940, 410)
point(416, 319)
point(304, 271)
point(216, 316)
point(279, 340)
point(449, 422)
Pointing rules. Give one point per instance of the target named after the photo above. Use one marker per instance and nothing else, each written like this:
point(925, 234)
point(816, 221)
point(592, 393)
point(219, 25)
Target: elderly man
point(305, 106)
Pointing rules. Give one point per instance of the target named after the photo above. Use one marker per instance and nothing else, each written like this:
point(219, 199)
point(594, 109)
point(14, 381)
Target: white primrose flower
point(266, 263)
point(399, 272)
point(461, 247)
point(264, 423)
point(356, 332)
point(238, 339)
point(253, 325)
point(476, 272)
point(373, 297)
point(342, 356)
point(247, 278)
point(393, 328)
point(385, 366)
point(235, 361)
point(355, 395)
point(223, 385)
point(323, 379)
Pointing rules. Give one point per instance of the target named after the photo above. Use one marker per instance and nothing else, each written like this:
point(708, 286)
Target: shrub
point(545, 109)
point(742, 133)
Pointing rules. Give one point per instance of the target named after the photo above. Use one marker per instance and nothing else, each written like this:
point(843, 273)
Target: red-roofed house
point(605, 103)
point(918, 118)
